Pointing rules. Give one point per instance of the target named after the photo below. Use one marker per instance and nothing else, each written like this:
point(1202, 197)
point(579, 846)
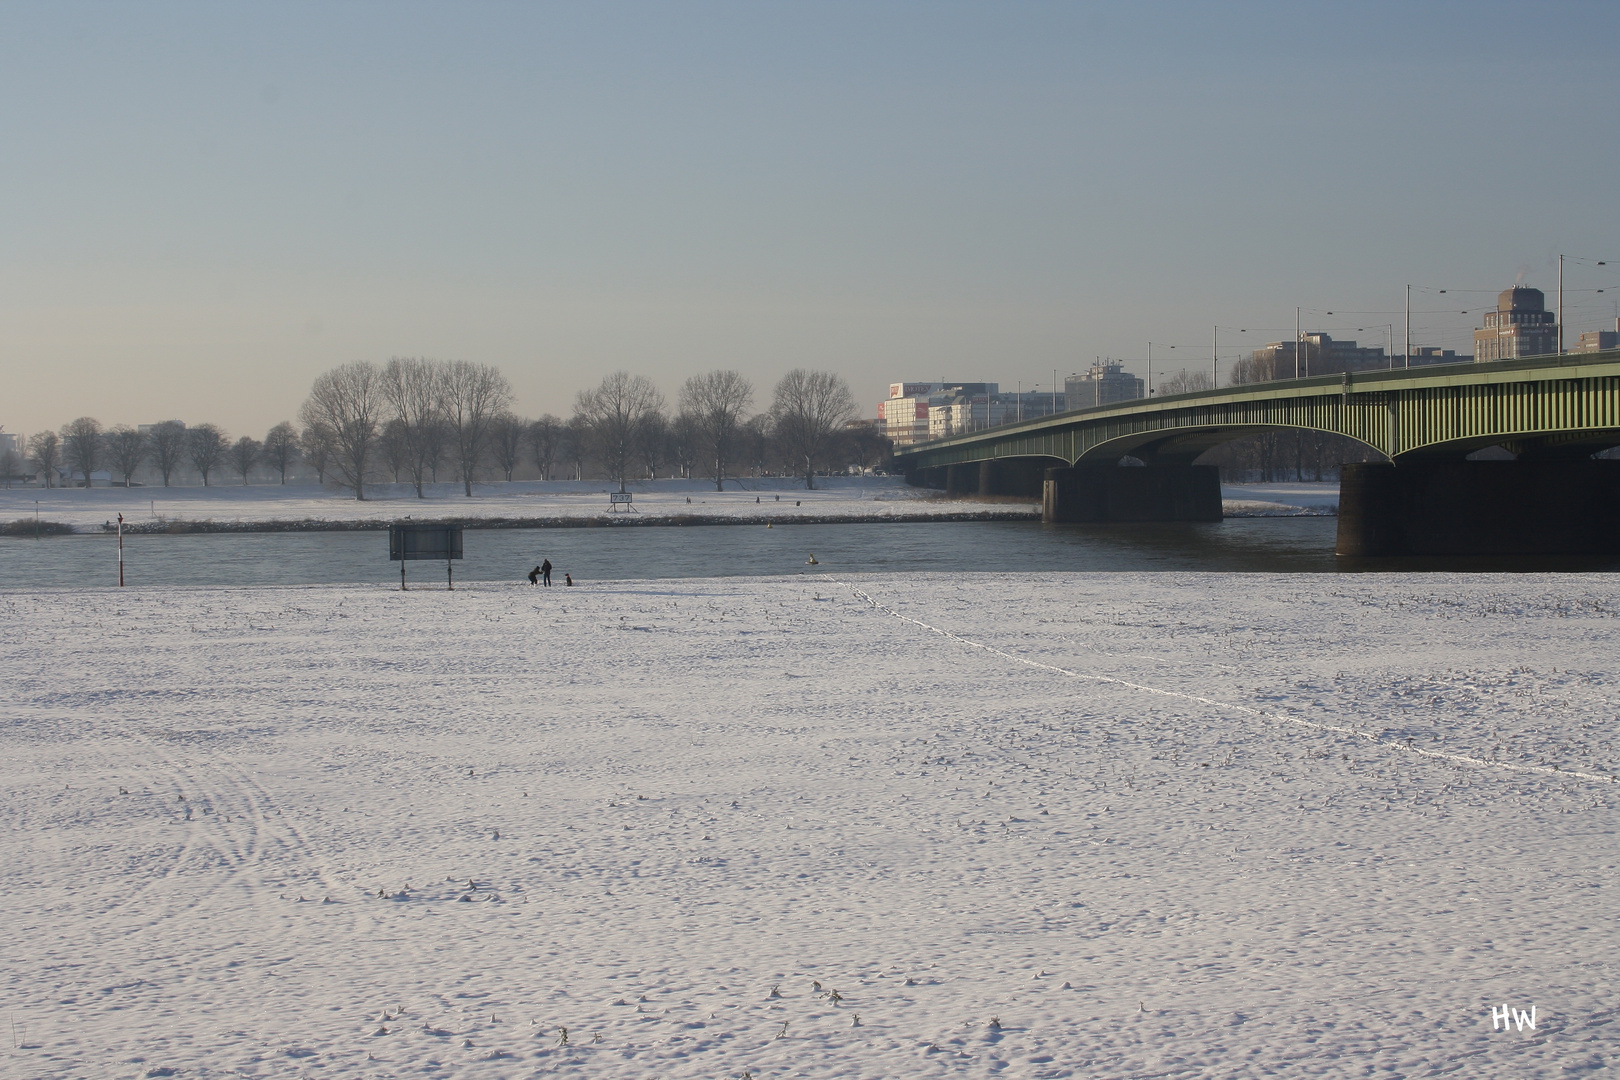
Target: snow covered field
point(1299, 499)
point(877, 497)
point(885, 498)
point(1176, 825)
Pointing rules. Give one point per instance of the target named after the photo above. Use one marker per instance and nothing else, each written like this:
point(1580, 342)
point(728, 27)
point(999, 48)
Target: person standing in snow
point(534, 576)
point(545, 572)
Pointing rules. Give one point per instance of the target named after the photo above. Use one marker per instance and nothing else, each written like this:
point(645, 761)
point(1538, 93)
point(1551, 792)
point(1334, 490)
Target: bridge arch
point(1185, 446)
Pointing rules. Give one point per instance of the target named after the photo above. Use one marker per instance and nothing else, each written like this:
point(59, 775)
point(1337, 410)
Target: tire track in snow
point(1311, 725)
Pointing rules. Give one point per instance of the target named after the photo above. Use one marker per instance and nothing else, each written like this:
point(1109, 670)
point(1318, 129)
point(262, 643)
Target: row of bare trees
point(420, 411)
point(409, 416)
point(711, 431)
point(83, 447)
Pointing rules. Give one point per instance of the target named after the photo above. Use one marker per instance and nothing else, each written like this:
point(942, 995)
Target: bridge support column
point(1020, 477)
point(1099, 493)
point(1480, 508)
point(962, 479)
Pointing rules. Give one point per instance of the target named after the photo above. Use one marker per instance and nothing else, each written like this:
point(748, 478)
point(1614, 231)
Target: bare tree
point(506, 437)
point(281, 448)
point(45, 452)
point(756, 443)
point(415, 393)
point(126, 449)
point(168, 447)
point(868, 443)
point(347, 402)
point(244, 455)
point(438, 448)
point(651, 443)
point(1185, 382)
point(205, 447)
point(10, 464)
point(473, 396)
point(615, 412)
point(575, 445)
point(81, 445)
point(810, 409)
point(717, 401)
point(685, 439)
point(544, 436)
point(391, 443)
point(315, 444)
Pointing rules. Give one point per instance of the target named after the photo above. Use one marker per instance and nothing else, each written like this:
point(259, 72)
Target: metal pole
point(1216, 354)
point(1560, 303)
point(1150, 368)
point(402, 575)
point(120, 551)
point(1296, 342)
point(449, 574)
point(1389, 347)
point(1406, 357)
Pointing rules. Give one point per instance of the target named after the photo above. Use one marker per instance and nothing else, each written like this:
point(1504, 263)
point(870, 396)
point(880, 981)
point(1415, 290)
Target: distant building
point(1322, 355)
point(1591, 341)
point(1431, 354)
point(1106, 383)
point(918, 411)
point(12, 442)
point(1521, 325)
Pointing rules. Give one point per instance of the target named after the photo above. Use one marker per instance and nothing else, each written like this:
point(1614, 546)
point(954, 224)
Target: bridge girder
point(1565, 406)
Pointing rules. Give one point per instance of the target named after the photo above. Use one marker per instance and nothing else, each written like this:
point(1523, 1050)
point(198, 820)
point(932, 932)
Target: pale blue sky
point(208, 204)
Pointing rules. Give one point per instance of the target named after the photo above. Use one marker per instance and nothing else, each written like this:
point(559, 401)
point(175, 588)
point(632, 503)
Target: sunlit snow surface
point(337, 832)
point(876, 497)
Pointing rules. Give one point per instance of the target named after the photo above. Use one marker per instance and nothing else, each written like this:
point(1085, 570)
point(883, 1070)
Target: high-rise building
point(1106, 383)
point(1521, 325)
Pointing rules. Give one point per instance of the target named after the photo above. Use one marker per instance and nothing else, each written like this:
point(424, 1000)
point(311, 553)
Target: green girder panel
point(1565, 405)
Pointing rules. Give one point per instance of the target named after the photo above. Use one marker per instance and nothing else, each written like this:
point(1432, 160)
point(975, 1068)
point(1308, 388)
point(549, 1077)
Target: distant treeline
point(417, 421)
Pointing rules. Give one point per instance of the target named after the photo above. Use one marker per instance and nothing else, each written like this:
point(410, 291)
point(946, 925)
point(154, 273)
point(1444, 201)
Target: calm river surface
point(1299, 545)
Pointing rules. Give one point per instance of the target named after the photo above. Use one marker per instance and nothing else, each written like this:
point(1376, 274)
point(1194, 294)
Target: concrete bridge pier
point(1102, 493)
point(962, 479)
point(1021, 477)
point(1480, 508)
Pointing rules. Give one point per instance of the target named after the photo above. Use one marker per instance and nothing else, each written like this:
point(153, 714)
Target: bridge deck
point(1563, 406)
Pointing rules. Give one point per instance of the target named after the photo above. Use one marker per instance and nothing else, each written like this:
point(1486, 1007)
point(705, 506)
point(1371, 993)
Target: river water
point(1285, 545)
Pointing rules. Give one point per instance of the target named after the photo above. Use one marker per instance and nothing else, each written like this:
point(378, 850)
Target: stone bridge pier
point(1102, 493)
point(1480, 508)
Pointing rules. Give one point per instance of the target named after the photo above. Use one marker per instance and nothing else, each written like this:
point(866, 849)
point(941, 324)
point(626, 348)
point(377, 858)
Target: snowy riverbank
point(1177, 825)
point(851, 499)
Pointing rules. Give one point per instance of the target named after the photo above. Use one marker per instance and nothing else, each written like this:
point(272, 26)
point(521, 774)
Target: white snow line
point(1337, 729)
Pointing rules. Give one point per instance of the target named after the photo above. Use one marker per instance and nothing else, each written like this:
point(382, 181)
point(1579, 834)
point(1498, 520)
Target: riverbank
point(561, 504)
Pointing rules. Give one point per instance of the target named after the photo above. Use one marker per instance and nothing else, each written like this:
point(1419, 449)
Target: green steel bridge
point(1564, 407)
point(1553, 413)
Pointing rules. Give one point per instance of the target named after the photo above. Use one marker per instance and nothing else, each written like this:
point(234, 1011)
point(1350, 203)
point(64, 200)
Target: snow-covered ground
point(1177, 825)
point(1298, 499)
point(877, 497)
point(882, 498)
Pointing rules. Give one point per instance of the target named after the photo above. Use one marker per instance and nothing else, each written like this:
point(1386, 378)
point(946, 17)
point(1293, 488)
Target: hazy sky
point(206, 205)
